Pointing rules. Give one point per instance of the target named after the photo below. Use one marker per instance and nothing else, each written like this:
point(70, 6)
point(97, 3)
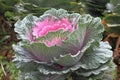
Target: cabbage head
point(58, 45)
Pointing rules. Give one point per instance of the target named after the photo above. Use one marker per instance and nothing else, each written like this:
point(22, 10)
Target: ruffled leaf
point(53, 38)
point(35, 75)
point(96, 71)
point(100, 56)
point(69, 59)
point(58, 13)
point(88, 29)
point(88, 34)
point(87, 61)
point(61, 13)
point(39, 51)
point(24, 27)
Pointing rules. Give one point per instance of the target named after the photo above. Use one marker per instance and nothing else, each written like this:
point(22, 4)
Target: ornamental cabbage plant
point(58, 45)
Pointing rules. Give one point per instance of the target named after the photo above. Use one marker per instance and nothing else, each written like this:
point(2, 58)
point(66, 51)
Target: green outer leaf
point(94, 72)
point(100, 56)
point(86, 62)
point(21, 53)
point(89, 58)
point(70, 60)
point(104, 72)
point(94, 27)
point(66, 60)
point(30, 70)
point(81, 39)
point(39, 76)
point(25, 26)
point(42, 52)
point(89, 29)
point(58, 13)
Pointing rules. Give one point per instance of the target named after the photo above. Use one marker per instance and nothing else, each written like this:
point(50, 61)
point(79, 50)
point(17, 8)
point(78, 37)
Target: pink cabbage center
point(51, 25)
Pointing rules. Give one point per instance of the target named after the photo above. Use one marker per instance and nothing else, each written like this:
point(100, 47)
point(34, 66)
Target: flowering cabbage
point(57, 45)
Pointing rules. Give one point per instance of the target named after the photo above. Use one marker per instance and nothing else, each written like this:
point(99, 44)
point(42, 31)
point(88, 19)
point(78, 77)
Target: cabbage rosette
point(58, 44)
